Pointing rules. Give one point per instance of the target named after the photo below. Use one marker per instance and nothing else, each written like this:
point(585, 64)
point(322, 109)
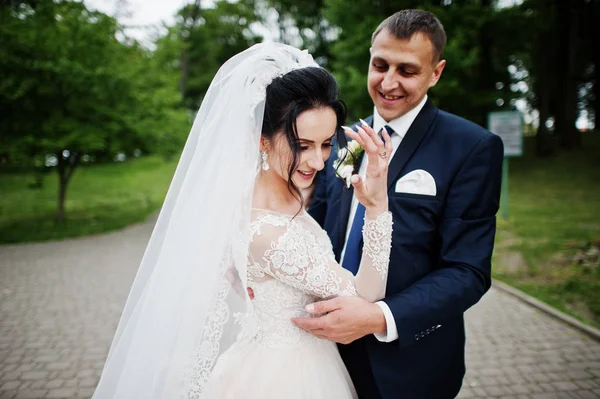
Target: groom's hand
point(345, 319)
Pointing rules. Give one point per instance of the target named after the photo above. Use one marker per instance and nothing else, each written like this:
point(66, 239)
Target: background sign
point(509, 126)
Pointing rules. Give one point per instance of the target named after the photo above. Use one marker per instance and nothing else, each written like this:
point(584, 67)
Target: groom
point(444, 187)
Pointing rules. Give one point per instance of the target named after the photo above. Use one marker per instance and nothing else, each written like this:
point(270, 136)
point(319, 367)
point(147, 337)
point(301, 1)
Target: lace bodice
point(291, 264)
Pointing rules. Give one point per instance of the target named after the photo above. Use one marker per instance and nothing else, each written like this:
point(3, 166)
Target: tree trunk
point(544, 91)
point(66, 167)
point(62, 187)
point(62, 195)
point(566, 77)
point(486, 67)
point(596, 89)
point(186, 42)
point(595, 57)
point(544, 143)
point(545, 57)
point(185, 70)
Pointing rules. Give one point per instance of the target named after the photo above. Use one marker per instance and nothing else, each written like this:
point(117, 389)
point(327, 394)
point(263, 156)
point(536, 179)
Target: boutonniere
point(346, 160)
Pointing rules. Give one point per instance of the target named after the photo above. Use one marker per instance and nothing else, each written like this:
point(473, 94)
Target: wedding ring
point(383, 155)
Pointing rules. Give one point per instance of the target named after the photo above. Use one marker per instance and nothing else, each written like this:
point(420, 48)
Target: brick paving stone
point(34, 375)
point(564, 386)
point(10, 385)
point(55, 384)
point(60, 303)
point(62, 393)
point(85, 392)
point(71, 383)
point(38, 384)
point(30, 394)
point(587, 384)
point(584, 395)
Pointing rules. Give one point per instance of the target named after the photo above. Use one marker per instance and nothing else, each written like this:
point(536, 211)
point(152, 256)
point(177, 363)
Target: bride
point(233, 220)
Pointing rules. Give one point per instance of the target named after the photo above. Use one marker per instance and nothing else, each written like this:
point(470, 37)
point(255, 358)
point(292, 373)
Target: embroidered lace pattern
point(291, 264)
point(378, 243)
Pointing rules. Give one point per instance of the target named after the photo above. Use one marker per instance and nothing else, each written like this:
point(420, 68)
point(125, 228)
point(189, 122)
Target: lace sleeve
point(300, 254)
point(371, 279)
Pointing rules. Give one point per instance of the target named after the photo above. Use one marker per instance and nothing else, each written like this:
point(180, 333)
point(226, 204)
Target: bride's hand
point(372, 191)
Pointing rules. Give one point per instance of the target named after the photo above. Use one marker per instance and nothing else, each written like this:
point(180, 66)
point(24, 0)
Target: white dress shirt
point(400, 126)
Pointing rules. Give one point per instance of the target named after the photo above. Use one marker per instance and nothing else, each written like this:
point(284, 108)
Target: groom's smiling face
point(400, 72)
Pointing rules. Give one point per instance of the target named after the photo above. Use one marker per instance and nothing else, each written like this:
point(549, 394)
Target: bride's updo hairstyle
point(290, 95)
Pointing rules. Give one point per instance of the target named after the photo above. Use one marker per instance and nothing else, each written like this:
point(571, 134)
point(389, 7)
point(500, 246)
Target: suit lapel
point(411, 141)
point(346, 204)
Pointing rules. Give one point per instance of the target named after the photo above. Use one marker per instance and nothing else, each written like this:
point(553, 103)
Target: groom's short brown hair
point(404, 24)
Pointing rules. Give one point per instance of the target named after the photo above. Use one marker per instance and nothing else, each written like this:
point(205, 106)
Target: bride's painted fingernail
point(346, 127)
point(354, 179)
point(363, 122)
point(310, 308)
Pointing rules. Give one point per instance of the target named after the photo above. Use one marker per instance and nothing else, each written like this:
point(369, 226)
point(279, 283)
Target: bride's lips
point(389, 99)
point(306, 175)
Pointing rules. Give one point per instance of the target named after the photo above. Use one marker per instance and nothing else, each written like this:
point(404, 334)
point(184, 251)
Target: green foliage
point(219, 33)
point(70, 84)
point(305, 21)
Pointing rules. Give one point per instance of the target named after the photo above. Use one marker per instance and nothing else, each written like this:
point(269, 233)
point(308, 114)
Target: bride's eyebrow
point(312, 142)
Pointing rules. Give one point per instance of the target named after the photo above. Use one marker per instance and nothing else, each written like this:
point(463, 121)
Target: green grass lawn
point(99, 198)
point(554, 214)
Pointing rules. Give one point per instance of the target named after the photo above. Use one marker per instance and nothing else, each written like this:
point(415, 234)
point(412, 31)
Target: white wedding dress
point(291, 264)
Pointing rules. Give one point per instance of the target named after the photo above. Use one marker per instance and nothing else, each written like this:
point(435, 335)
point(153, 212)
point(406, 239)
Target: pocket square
point(416, 182)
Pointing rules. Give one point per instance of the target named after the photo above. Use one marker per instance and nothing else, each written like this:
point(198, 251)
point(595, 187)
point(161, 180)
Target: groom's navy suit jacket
point(441, 255)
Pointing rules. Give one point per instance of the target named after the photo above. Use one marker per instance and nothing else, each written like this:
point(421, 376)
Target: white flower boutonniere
point(347, 157)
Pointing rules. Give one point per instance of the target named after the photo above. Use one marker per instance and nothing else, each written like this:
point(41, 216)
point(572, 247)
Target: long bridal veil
point(188, 303)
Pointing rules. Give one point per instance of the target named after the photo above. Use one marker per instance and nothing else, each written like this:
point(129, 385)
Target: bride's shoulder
point(263, 218)
point(270, 223)
point(259, 215)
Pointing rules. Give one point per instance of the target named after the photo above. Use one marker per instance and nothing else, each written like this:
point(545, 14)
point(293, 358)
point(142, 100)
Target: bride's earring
point(265, 164)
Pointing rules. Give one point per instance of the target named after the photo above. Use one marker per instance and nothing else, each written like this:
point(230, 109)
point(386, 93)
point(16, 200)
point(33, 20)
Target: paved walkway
point(60, 303)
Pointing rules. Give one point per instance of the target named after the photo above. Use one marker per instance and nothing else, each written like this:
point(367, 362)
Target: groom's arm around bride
point(444, 187)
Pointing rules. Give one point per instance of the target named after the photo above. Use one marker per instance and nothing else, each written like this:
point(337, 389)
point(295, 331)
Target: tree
point(189, 15)
point(305, 21)
point(569, 14)
point(71, 89)
point(558, 54)
point(216, 35)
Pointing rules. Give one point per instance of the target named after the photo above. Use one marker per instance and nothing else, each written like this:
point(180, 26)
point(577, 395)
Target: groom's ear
point(437, 72)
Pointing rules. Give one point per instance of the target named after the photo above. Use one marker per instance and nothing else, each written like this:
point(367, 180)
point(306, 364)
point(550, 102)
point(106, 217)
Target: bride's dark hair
point(292, 94)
